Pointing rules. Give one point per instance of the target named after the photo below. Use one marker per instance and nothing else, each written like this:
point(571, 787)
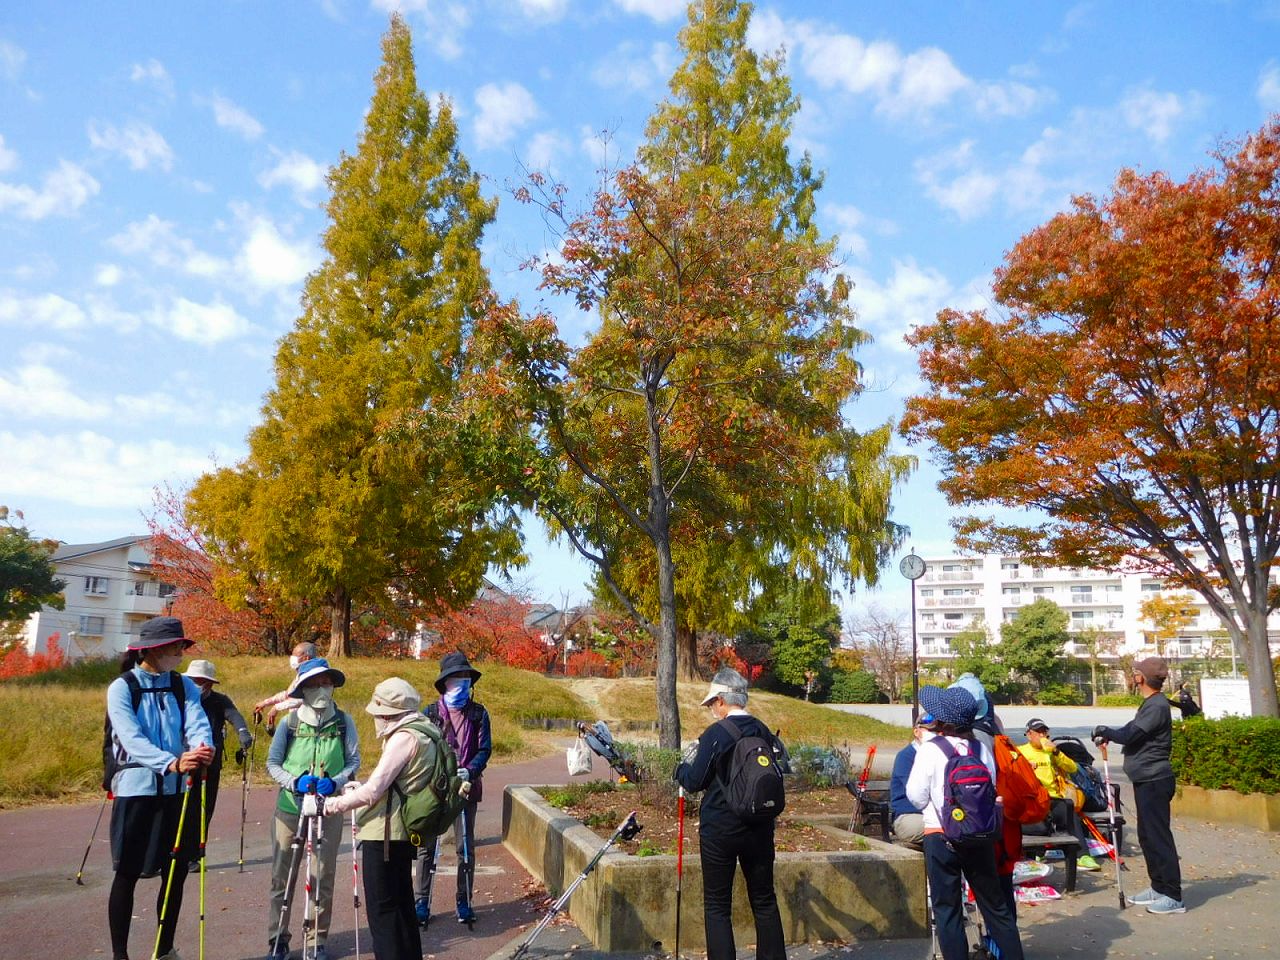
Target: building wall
point(956, 589)
point(108, 595)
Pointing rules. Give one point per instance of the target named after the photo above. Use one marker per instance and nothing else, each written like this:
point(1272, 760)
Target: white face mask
point(168, 662)
point(380, 725)
point(293, 662)
point(318, 698)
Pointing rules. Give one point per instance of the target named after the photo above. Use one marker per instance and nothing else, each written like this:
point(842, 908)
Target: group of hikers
point(165, 745)
point(946, 797)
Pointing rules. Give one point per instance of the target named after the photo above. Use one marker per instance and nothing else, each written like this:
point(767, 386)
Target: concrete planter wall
point(628, 903)
point(1258, 810)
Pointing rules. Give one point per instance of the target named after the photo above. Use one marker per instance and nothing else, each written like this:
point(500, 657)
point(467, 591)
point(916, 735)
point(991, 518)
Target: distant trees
point(27, 576)
point(1127, 391)
point(885, 648)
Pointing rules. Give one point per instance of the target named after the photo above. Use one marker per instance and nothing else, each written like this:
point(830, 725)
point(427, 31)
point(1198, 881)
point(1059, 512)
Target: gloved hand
point(326, 787)
point(464, 773)
point(240, 756)
point(312, 805)
point(305, 783)
point(1101, 734)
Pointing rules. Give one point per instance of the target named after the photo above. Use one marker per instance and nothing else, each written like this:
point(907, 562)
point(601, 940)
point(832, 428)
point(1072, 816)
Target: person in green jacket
point(317, 746)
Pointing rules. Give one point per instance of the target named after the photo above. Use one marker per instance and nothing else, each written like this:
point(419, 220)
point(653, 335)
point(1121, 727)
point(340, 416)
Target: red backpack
point(1025, 798)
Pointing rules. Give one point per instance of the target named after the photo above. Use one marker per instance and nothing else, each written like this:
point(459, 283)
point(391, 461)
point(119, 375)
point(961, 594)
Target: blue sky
point(162, 175)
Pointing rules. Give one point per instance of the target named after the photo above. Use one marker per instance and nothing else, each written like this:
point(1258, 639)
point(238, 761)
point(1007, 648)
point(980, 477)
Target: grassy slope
point(52, 731)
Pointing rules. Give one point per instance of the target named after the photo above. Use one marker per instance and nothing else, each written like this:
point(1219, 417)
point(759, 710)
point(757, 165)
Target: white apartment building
point(954, 590)
point(111, 589)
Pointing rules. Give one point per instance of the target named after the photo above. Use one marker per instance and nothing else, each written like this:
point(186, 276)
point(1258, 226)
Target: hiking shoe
point(278, 950)
point(321, 952)
point(1086, 862)
point(171, 955)
point(466, 914)
point(422, 909)
point(1163, 904)
point(1143, 897)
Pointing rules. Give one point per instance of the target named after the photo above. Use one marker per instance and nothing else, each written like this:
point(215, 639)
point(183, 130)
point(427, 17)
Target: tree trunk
point(687, 654)
point(1262, 675)
point(340, 624)
point(660, 534)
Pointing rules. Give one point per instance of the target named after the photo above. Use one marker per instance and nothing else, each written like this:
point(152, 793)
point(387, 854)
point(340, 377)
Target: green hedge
point(854, 686)
point(1119, 700)
point(1234, 753)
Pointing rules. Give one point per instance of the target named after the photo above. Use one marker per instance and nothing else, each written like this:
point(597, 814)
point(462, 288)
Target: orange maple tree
point(490, 628)
point(1129, 390)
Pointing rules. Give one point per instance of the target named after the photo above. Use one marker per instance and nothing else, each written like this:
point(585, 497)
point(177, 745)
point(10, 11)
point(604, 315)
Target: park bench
point(1065, 842)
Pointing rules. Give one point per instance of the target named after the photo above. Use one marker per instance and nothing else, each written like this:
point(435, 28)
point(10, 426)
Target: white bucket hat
point(201, 670)
point(392, 697)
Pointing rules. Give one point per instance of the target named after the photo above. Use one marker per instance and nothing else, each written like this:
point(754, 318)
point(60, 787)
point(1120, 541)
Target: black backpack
point(1087, 779)
point(753, 788)
point(114, 758)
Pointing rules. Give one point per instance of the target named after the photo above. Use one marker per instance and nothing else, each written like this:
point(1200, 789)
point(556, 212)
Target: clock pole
point(913, 567)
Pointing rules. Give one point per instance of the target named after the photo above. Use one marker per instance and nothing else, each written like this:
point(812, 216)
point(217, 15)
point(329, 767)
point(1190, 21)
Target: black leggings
point(120, 910)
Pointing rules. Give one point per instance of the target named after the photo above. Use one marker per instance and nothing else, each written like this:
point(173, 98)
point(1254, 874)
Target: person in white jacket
point(953, 711)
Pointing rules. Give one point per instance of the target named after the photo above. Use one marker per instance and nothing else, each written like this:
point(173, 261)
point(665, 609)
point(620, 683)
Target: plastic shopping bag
point(579, 758)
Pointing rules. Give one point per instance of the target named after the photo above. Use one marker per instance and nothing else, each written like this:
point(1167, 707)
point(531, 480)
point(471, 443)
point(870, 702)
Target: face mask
point(457, 692)
point(293, 662)
point(380, 725)
point(167, 662)
point(318, 698)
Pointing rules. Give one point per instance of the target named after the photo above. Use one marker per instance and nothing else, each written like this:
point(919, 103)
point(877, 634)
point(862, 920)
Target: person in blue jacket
point(154, 746)
point(908, 821)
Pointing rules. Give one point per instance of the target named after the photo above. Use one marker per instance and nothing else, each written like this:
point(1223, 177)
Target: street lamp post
point(913, 567)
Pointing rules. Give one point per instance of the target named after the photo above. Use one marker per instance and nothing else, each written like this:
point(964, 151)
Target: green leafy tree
point(1032, 643)
point(802, 644)
point(976, 652)
point(27, 576)
point(1096, 642)
point(343, 503)
point(724, 128)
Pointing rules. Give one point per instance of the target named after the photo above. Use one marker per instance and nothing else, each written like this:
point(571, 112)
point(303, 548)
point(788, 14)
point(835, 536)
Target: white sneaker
point(1163, 904)
point(1143, 898)
point(171, 955)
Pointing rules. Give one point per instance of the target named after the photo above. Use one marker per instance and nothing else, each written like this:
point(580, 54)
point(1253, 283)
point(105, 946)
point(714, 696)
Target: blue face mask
point(457, 693)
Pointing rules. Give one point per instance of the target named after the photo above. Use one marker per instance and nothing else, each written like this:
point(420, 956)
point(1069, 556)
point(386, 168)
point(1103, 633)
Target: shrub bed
point(1234, 753)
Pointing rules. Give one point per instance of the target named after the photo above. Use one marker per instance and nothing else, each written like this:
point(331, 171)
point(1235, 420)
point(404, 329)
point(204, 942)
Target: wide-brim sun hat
point(954, 706)
point(202, 670)
point(160, 632)
point(967, 681)
point(455, 664)
point(714, 691)
point(393, 697)
point(315, 667)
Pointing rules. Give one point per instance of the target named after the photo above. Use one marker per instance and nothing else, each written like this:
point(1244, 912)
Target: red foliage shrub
point(588, 663)
point(18, 663)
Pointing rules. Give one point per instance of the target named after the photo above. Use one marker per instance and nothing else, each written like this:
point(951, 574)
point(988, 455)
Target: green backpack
point(430, 811)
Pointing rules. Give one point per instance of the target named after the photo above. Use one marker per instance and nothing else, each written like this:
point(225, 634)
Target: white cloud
point(231, 116)
point(44, 311)
point(159, 241)
point(107, 275)
point(911, 296)
point(37, 391)
point(1153, 112)
point(952, 179)
point(852, 224)
point(544, 9)
point(153, 73)
point(1269, 87)
point(137, 142)
point(12, 59)
point(205, 324)
point(899, 83)
point(631, 67)
point(296, 171)
point(91, 470)
point(271, 261)
point(659, 10)
point(544, 148)
point(503, 110)
point(63, 191)
point(8, 158)
point(445, 22)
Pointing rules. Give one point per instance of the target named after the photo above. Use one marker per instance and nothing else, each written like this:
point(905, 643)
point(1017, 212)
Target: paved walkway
point(1232, 880)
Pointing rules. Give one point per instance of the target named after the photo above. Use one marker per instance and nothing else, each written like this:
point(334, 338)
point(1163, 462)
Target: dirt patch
point(603, 810)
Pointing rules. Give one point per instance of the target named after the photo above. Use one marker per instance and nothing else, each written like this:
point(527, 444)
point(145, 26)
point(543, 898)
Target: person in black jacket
point(725, 840)
point(221, 710)
point(465, 725)
point(1148, 743)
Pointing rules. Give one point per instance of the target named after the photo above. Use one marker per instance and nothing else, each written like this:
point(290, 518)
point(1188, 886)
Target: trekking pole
point(173, 863)
point(312, 892)
point(627, 830)
point(295, 858)
point(355, 881)
point(204, 837)
point(1111, 819)
point(466, 866)
point(92, 837)
point(246, 771)
point(679, 865)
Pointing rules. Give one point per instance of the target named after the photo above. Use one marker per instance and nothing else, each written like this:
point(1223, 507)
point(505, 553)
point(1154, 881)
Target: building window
point(926, 592)
point(167, 590)
point(1009, 565)
point(98, 586)
point(953, 617)
point(1152, 586)
point(1041, 591)
point(1011, 591)
point(92, 626)
point(1081, 616)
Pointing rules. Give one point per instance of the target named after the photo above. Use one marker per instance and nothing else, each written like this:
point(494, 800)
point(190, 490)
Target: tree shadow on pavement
point(1200, 891)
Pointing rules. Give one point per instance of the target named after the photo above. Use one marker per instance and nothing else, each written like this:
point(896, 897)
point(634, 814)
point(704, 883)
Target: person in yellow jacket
point(1054, 769)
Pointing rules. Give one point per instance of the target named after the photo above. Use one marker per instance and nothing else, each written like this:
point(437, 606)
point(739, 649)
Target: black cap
point(1035, 723)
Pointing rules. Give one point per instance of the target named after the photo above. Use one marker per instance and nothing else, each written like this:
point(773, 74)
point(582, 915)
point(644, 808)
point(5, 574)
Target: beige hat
point(201, 670)
point(715, 690)
point(393, 697)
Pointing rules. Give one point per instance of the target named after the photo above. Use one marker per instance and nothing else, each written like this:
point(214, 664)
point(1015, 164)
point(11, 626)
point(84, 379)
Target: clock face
point(912, 566)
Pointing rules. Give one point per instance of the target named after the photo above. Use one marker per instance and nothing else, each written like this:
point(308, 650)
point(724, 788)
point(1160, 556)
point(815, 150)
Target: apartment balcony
point(969, 601)
point(151, 606)
point(952, 576)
